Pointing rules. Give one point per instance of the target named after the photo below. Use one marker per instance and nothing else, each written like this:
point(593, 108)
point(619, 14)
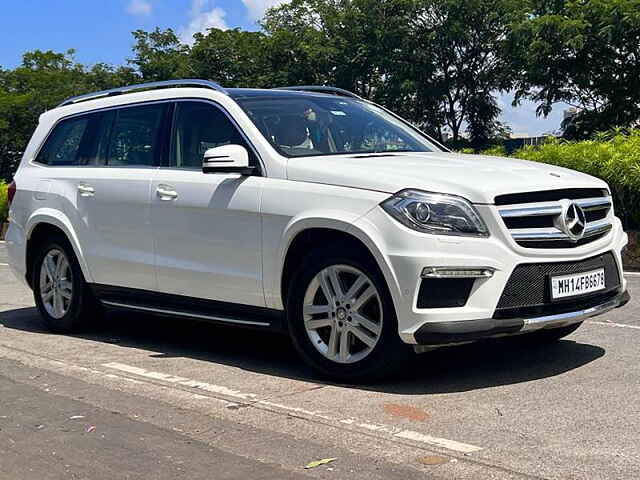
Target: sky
point(100, 31)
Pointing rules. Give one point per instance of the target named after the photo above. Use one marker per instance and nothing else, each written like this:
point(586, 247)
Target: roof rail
point(322, 89)
point(145, 86)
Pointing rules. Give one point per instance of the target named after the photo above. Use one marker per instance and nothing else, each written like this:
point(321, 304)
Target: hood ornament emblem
point(572, 220)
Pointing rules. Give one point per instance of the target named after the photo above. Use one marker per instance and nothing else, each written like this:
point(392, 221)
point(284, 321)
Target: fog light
point(457, 272)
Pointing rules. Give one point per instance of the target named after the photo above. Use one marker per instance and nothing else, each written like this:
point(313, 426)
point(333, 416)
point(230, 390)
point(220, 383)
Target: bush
point(613, 156)
point(496, 150)
point(4, 202)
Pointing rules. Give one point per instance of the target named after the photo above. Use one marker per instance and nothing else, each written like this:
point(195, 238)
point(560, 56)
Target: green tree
point(159, 55)
point(39, 83)
point(352, 44)
point(585, 53)
point(464, 45)
point(231, 57)
point(437, 62)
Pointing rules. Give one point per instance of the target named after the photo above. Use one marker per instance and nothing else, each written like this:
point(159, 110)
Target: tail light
point(11, 191)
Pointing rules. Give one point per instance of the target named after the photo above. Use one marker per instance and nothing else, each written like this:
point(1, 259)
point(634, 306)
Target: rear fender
point(60, 220)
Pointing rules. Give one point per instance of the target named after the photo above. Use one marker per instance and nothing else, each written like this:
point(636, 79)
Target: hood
point(478, 178)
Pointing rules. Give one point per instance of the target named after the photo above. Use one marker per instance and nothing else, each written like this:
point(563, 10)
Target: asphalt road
point(146, 397)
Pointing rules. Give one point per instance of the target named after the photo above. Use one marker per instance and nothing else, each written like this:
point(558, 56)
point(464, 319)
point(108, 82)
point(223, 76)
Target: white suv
point(304, 209)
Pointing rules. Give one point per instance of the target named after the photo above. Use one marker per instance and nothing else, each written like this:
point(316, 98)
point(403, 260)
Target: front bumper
point(402, 255)
point(445, 333)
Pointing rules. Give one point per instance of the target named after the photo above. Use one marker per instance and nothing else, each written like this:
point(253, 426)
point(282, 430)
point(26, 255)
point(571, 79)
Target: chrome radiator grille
point(565, 219)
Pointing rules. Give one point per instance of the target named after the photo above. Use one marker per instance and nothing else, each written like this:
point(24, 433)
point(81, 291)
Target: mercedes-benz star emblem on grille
point(572, 220)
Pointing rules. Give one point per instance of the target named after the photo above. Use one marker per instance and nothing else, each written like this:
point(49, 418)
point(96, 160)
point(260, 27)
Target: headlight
point(435, 213)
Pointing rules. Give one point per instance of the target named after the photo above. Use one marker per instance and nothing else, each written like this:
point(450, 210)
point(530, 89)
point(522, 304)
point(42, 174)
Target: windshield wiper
point(385, 153)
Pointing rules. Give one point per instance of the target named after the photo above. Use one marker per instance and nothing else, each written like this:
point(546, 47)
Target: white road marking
point(612, 324)
point(253, 399)
point(440, 442)
point(632, 274)
point(180, 381)
point(4, 264)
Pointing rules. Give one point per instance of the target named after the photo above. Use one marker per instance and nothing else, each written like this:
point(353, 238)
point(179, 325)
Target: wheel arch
point(41, 225)
point(314, 232)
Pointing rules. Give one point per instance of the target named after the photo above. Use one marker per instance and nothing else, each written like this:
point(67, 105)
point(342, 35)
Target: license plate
point(577, 284)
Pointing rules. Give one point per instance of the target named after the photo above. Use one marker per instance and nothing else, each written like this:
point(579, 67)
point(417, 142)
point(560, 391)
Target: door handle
point(166, 192)
point(86, 190)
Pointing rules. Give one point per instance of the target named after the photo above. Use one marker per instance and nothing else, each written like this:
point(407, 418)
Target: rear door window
point(135, 138)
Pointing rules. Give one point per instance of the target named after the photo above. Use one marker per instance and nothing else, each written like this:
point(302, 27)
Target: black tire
point(82, 308)
point(388, 356)
point(550, 335)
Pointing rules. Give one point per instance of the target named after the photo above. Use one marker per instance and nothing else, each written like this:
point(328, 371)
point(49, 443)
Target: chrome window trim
point(32, 161)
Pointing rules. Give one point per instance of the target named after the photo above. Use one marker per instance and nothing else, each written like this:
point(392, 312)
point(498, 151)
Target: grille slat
point(529, 284)
point(537, 224)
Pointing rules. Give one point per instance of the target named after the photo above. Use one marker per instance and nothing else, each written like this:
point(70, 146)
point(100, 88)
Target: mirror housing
point(227, 159)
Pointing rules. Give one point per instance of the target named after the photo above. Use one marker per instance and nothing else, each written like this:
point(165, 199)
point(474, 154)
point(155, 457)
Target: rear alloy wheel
point(56, 288)
point(341, 317)
point(62, 296)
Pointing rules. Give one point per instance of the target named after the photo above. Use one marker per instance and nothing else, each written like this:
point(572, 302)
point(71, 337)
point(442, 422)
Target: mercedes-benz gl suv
point(307, 210)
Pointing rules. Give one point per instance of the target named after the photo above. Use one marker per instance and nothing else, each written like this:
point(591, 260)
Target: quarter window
point(63, 145)
point(199, 126)
point(135, 136)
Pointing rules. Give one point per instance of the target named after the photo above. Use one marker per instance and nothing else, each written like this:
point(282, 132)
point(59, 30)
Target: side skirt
point(189, 307)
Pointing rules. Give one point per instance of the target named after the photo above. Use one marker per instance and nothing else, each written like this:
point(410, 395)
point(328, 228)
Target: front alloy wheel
point(343, 313)
point(341, 316)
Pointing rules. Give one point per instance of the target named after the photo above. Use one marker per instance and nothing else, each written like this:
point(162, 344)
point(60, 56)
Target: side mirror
point(227, 159)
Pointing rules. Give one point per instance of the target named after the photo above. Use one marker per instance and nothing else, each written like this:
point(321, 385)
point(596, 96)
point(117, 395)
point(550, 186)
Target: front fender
point(338, 220)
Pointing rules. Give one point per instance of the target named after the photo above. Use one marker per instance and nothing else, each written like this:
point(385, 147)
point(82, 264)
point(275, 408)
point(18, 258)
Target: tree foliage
point(585, 53)
point(232, 57)
point(159, 55)
point(40, 83)
point(463, 46)
point(438, 63)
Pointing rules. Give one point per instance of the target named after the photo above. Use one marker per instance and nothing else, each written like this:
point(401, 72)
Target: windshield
point(310, 125)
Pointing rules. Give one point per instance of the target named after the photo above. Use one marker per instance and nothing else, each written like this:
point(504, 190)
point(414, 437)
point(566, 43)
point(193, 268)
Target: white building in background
point(569, 112)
